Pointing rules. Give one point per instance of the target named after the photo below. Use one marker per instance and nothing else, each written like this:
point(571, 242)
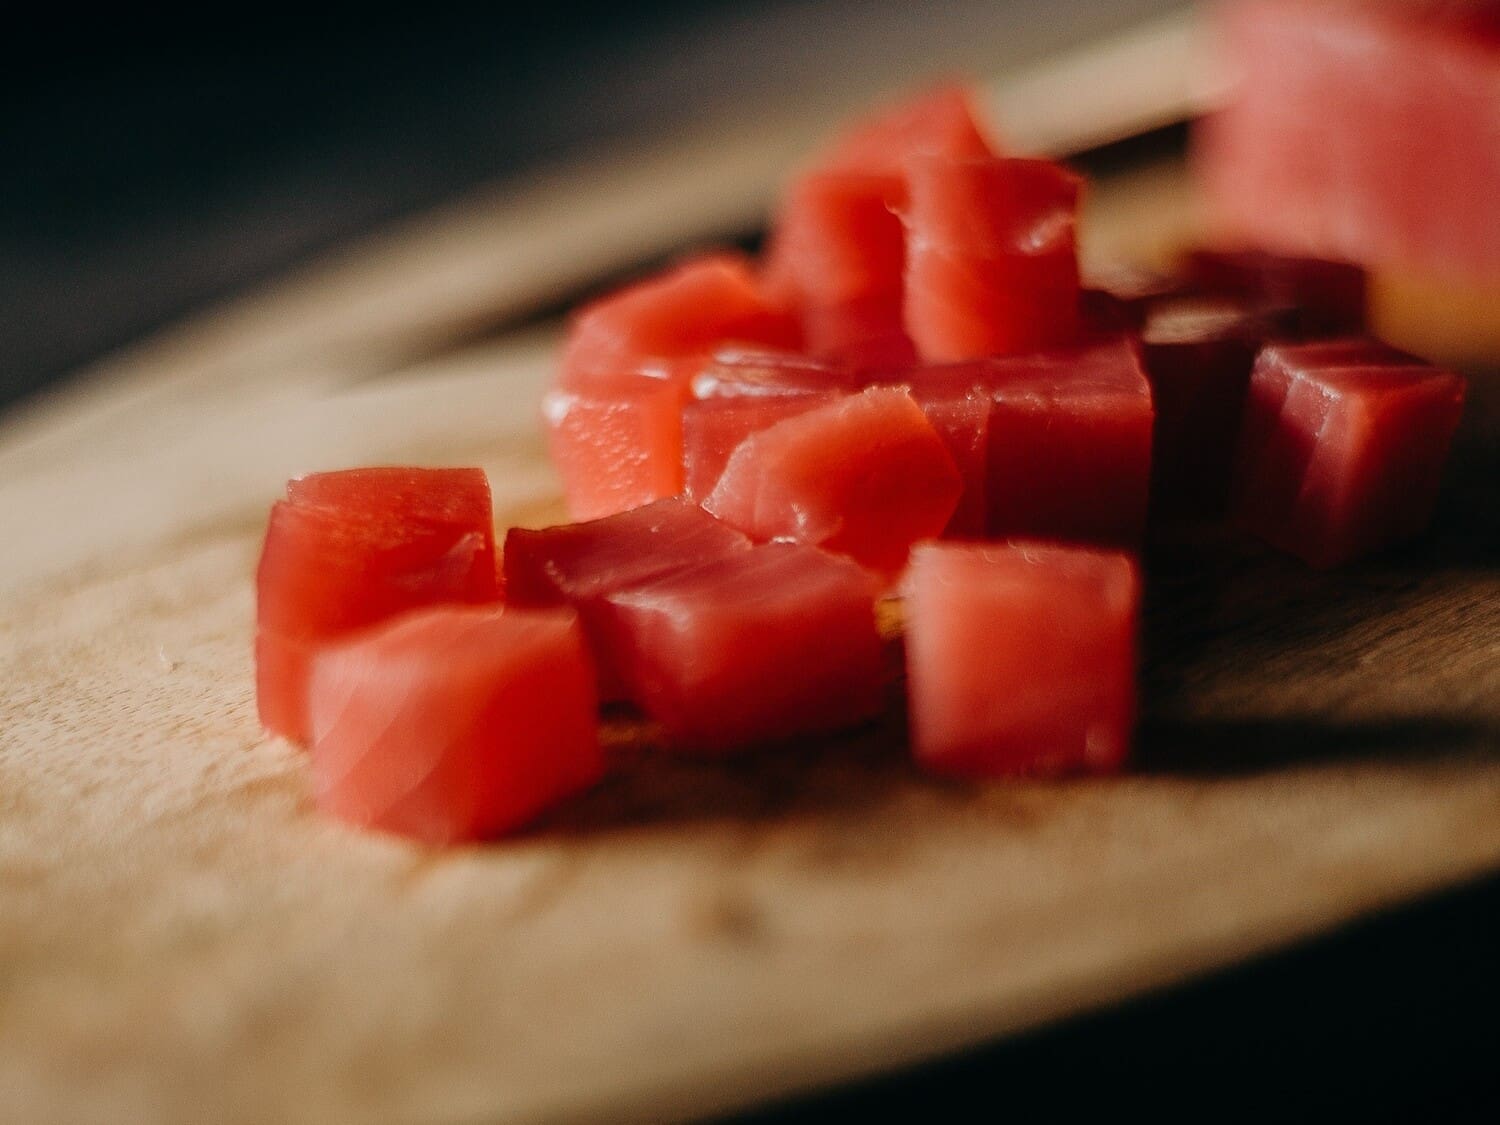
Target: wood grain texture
point(182, 939)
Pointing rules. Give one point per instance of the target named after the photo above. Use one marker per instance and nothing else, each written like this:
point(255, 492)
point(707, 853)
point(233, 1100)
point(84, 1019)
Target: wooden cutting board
point(182, 939)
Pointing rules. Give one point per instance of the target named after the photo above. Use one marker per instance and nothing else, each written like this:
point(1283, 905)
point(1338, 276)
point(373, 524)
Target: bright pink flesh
point(1198, 354)
point(354, 548)
point(457, 497)
point(617, 443)
point(866, 476)
point(1343, 448)
point(578, 564)
point(1069, 443)
point(572, 562)
point(838, 252)
point(1364, 132)
point(714, 428)
point(1021, 658)
point(1304, 296)
point(755, 646)
point(740, 373)
point(837, 247)
point(992, 265)
point(452, 724)
point(961, 416)
point(687, 310)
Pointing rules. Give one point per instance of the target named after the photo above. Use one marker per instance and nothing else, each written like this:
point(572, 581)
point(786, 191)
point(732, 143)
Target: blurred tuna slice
point(1369, 132)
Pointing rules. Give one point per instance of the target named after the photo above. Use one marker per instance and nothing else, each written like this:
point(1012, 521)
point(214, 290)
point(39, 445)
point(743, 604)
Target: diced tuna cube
point(1021, 658)
point(1342, 448)
point(714, 428)
point(454, 724)
point(1364, 132)
point(455, 497)
point(683, 312)
point(866, 475)
point(352, 548)
point(755, 646)
point(837, 248)
point(578, 564)
point(740, 373)
point(617, 442)
point(565, 564)
point(961, 416)
point(991, 258)
point(1069, 444)
point(838, 251)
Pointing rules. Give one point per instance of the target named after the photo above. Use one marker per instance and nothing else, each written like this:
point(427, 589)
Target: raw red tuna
point(1198, 353)
point(757, 645)
point(454, 724)
point(732, 374)
point(456, 497)
point(355, 548)
point(866, 476)
point(1021, 658)
point(571, 563)
point(1069, 443)
point(578, 564)
point(714, 428)
point(992, 265)
point(617, 442)
point(1364, 132)
point(958, 413)
point(1343, 447)
point(837, 248)
point(838, 251)
point(961, 416)
point(1304, 296)
point(686, 311)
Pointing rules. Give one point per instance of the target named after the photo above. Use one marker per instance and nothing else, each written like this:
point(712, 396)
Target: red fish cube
point(1342, 448)
point(578, 564)
point(573, 562)
point(754, 646)
point(617, 442)
point(352, 548)
point(454, 497)
point(1364, 132)
point(737, 373)
point(714, 428)
point(866, 475)
point(454, 724)
point(838, 251)
point(685, 311)
point(1021, 658)
point(961, 416)
point(991, 256)
point(1069, 444)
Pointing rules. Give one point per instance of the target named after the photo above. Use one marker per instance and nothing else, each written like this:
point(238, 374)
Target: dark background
point(156, 161)
point(155, 164)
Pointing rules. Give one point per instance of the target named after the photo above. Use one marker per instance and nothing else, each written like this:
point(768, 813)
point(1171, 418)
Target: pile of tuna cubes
point(911, 396)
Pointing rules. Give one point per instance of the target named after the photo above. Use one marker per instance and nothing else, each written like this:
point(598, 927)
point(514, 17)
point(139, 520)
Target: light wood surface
point(182, 939)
